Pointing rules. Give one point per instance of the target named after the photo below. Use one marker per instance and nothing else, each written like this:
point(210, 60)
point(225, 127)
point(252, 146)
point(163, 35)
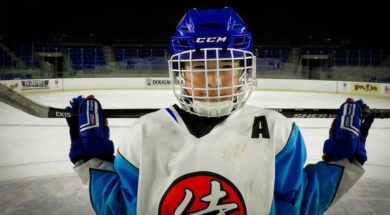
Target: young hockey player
point(210, 153)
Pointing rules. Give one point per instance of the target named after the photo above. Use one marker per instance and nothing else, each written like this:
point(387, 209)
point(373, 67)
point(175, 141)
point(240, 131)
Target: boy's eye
point(202, 67)
point(199, 67)
point(227, 66)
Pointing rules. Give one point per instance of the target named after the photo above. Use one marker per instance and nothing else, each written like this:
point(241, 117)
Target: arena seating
point(136, 56)
point(81, 56)
point(361, 57)
point(6, 60)
point(350, 56)
point(14, 76)
point(279, 53)
point(87, 57)
point(269, 58)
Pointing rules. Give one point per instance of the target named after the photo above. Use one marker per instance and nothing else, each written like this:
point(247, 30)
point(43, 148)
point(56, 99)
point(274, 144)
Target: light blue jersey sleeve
point(309, 190)
point(113, 190)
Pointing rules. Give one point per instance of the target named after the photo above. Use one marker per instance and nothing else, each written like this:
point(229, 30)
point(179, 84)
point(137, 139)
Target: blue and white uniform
point(251, 163)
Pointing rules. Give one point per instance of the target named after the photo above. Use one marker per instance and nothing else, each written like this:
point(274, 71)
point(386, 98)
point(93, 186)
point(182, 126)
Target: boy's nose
point(212, 80)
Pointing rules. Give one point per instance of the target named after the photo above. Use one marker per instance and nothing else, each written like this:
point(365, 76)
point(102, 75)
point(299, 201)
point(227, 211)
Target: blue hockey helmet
point(210, 28)
point(212, 66)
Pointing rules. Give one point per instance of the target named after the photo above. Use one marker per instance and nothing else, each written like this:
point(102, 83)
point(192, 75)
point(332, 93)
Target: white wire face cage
point(212, 82)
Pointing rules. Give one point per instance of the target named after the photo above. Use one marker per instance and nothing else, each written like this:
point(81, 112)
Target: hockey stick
point(26, 105)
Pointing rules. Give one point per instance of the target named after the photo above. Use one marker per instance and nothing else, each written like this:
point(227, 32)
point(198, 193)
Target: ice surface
point(36, 176)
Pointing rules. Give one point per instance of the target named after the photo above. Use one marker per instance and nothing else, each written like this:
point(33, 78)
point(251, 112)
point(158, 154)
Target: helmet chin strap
point(213, 109)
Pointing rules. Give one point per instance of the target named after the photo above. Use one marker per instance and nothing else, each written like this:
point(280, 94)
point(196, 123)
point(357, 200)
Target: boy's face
point(225, 81)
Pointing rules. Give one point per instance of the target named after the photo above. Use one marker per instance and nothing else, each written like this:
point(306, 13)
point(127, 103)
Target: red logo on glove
point(202, 193)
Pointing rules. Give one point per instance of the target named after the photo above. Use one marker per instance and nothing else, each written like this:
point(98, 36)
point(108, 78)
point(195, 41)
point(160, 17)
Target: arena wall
point(44, 85)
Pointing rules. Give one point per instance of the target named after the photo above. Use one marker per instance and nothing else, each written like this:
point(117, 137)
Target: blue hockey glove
point(91, 138)
point(94, 130)
point(367, 121)
point(77, 151)
point(348, 133)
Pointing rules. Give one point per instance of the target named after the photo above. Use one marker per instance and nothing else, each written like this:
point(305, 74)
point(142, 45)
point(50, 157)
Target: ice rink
point(36, 176)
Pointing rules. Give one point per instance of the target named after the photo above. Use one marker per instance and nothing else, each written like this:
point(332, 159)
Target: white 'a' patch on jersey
point(232, 168)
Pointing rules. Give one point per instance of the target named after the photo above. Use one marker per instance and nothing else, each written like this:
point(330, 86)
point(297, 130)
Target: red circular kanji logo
point(202, 193)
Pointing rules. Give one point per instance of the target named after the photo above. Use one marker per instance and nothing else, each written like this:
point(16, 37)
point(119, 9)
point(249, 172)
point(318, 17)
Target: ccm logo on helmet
point(210, 39)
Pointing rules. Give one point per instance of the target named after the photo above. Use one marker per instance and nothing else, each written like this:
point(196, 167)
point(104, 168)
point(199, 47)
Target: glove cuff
point(99, 148)
point(77, 151)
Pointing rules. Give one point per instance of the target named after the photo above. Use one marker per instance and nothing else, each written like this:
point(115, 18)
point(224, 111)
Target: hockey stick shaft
point(26, 105)
point(288, 112)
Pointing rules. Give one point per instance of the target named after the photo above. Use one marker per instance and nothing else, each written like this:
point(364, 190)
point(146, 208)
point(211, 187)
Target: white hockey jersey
point(251, 163)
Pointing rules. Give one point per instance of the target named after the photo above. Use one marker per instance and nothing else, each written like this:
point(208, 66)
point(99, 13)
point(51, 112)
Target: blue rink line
point(126, 126)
